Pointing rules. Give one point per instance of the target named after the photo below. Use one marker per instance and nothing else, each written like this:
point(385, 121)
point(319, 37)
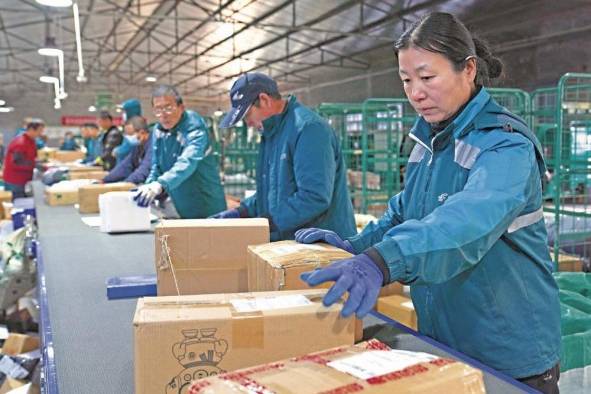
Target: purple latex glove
point(311, 235)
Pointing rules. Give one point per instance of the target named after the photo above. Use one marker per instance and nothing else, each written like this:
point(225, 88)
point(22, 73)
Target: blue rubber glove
point(359, 275)
point(227, 214)
point(145, 194)
point(311, 235)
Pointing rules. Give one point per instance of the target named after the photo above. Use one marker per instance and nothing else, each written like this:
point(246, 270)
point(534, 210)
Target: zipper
point(418, 141)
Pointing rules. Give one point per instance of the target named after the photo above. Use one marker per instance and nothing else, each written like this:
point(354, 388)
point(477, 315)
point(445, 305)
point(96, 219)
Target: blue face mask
point(132, 139)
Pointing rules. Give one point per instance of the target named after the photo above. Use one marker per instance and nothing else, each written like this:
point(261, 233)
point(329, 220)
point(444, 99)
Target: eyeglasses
point(168, 110)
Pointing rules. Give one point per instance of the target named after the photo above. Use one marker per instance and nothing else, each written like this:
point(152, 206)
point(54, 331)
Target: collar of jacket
point(461, 125)
point(274, 123)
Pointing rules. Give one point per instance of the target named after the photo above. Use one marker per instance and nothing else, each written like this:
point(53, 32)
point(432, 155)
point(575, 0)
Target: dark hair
point(90, 125)
point(138, 123)
point(443, 33)
point(35, 123)
point(167, 90)
point(105, 115)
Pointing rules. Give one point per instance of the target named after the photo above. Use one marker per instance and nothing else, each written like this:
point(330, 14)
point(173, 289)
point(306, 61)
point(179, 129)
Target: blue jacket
point(122, 151)
point(93, 149)
point(301, 176)
point(69, 145)
point(183, 162)
point(467, 233)
point(135, 167)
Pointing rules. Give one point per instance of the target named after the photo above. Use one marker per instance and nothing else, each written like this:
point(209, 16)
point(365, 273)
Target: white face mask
point(132, 139)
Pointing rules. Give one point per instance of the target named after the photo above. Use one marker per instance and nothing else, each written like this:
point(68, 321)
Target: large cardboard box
point(98, 175)
point(46, 154)
point(76, 167)
point(68, 155)
point(64, 196)
point(398, 308)
point(19, 343)
point(278, 265)
point(88, 195)
point(568, 263)
point(369, 367)
point(179, 339)
point(205, 255)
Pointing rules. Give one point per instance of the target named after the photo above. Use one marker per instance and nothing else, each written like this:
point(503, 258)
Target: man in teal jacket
point(183, 166)
point(301, 174)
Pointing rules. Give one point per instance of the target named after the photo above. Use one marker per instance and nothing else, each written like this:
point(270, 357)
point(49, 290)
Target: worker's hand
point(228, 214)
point(145, 194)
point(359, 276)
point(311, 235)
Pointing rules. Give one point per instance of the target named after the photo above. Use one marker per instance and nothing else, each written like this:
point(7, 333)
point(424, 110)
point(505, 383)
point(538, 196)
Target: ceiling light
point(151, 78)
point(2, 102)
point(218, 113)
point(57, 103)
point(55, 3)
point(50, 51)
point(48, 79)
point(92, 108)
point(6, 109)
point(81, 77)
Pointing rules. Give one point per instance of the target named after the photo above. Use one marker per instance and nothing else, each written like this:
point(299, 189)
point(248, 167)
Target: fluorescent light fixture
point(2, 102)
point(92, 108)
point(55, 3)
point(151, 78)
point(118, 110)
point(57, 103)
point(218, 113)
point(6, 109)
point(60, 60)
point(48, 79)
point(80, 78)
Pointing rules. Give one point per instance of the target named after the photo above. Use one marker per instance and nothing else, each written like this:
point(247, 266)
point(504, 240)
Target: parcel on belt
point(205, 255)
point(368, 367)
point(68, 155)
point(88, 195)
point(64, 192)
point(278, 265)
point(183, 338)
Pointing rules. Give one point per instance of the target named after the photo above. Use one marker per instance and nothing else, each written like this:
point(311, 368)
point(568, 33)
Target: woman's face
point(434, 88)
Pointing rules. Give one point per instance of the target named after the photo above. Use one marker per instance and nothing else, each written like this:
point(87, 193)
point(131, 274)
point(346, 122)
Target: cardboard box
point(17, 344)
point(398, 308)
point(369, 367)
point(98, 175)
point(278, 265)
point(372, 180)
point(64, 192)
point(179, 339)
point(88, 195)
point(568, 263)
point(119, 213)
point(68, 155)
point(76, 167)
point(46, 154)
point(5, 197)
point(206, 255)
point(10, 384)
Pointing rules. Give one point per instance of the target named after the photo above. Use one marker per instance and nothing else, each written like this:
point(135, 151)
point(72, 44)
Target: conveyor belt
point(92, 337)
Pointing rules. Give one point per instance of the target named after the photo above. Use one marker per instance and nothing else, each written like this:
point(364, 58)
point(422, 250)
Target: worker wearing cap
point(183, 164)
point(301, 174)
point(20, 158)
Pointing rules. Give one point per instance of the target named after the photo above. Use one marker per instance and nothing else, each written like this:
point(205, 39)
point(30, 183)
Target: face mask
point(132, 139)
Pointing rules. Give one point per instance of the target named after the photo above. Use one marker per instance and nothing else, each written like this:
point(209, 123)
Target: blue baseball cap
point(243, 94)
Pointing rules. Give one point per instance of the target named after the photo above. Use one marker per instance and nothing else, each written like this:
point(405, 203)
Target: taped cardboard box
point(206, 255)
point(278, 265)
point(398, 308)
point(68, 155)
point(180, 339)
point(369, 367)
point(88, 195)
point(98, 175)
point(46, 154)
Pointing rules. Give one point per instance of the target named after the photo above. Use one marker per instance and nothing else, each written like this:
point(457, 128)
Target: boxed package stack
point(398, 308)
point(369, 367)
point(119, 213)
point(183, 338)
point(19, 360)
point(278, 265)
point(46, 154)
point(88, 195)
point(65, 192)
point(201, 256)
point(98, 175)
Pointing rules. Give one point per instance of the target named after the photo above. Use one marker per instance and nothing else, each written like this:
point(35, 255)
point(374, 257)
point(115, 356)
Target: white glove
point(147, 193)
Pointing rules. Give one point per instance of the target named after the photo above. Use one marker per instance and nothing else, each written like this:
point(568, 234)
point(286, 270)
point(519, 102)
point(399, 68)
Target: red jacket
point(19, 161)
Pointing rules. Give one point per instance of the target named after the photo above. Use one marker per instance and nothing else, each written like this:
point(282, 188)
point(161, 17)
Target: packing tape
point(248, 330)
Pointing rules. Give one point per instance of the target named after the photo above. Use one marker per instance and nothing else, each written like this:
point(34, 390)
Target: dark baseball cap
point(243, 94)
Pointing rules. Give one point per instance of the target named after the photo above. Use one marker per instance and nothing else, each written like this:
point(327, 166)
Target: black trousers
point(546, 382)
